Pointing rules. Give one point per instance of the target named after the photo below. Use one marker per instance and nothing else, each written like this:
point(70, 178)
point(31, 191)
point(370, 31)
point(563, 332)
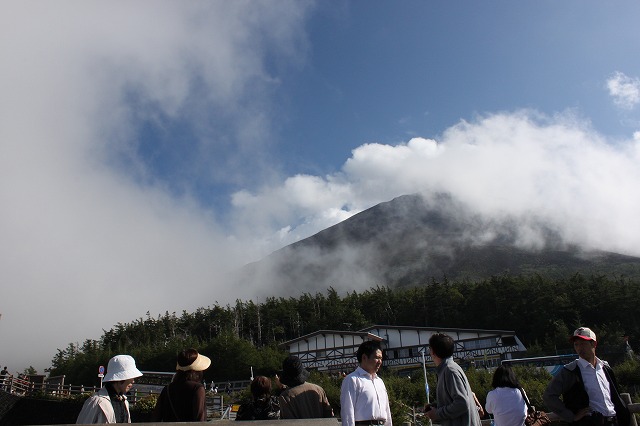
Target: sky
point(149, 149)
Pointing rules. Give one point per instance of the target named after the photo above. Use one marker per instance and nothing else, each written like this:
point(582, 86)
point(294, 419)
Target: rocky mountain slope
point(410, 241)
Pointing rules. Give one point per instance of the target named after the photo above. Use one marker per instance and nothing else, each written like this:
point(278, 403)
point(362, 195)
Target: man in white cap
point(109, 404)
point(589, 390)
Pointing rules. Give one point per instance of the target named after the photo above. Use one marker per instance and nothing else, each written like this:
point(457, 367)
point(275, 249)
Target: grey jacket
point(456, 406)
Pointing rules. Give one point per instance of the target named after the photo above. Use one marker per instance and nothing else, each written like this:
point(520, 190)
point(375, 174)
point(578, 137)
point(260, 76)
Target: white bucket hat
point(121, 367)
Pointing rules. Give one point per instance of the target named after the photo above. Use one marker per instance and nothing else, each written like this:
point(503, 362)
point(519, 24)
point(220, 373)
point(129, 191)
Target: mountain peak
point(410, 240)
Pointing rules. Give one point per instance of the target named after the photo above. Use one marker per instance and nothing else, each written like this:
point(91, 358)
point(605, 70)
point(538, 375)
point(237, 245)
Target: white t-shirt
point(507, 406)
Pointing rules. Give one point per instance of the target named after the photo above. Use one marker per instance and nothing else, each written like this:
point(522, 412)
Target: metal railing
point(55, 387)
point(21, 386)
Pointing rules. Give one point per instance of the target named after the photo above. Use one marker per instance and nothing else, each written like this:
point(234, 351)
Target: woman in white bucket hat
point(183, 400)
point(109, 404)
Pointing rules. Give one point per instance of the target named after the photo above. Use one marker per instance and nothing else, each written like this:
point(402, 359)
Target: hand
point(581, 413)
point(277, 380)
point(430, 412)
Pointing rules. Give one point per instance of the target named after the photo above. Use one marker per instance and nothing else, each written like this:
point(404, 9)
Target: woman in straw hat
point(109, 404)
point(184, 399)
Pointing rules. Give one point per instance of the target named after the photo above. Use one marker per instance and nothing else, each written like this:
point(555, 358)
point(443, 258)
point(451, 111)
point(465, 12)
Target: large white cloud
point(525, 164)
point(89, 236)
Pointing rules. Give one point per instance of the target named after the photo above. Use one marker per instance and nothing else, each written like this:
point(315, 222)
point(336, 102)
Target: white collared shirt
point(597, 387)
point(363, 396)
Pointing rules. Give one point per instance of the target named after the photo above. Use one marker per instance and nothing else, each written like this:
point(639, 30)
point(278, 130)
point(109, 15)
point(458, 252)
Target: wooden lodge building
point(334, 351)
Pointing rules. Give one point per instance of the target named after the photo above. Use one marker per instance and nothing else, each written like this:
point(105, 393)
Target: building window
point(416, 352)
point(480, 343)
point(509, 341)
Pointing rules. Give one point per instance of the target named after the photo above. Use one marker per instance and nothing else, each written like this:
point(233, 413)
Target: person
point(363, 395)
point(628, 351)
point(263, 405)
point(298, 398)
point(589, 389)
point(506, 401)
point(3, 378)
point(109, 404)
point(455, 403)
point(183, 400)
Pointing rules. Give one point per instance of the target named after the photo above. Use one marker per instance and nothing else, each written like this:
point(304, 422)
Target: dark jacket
point(568, 383)
point(266, 408)
point(181, 402)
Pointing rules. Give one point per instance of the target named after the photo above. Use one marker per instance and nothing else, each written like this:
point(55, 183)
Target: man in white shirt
point(589, 390)
point(363, 396)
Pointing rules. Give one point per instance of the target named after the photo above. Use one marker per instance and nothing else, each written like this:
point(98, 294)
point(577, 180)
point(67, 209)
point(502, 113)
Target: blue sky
point(383, 73)
point(151, 147)
point(375, 72)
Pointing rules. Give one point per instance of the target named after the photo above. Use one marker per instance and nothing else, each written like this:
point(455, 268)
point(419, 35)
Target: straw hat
point(201, 363)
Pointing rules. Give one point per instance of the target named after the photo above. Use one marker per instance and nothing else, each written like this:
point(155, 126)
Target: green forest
point(542, 311)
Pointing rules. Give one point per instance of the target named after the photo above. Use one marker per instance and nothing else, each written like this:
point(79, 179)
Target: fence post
point(627, 400)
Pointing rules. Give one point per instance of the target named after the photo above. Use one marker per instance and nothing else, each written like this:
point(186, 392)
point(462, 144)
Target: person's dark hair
point(188, 376)
point(504, 377)
point(260, 387)
point(187, 357)
point(367, 348)
point(442, 345)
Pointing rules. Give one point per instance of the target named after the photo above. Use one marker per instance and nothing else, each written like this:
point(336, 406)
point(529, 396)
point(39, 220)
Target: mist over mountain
point(413, 239)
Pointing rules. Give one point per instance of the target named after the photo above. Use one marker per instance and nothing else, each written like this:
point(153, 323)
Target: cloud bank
point(520, 164)
point(91, 235)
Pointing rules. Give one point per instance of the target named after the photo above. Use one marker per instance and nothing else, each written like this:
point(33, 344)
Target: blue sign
point(101, 369)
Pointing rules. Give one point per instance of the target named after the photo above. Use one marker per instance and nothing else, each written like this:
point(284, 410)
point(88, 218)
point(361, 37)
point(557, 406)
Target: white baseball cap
point(121, 367)
point(584, 333)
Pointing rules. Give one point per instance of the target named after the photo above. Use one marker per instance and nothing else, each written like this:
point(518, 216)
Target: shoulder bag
point(534, 417)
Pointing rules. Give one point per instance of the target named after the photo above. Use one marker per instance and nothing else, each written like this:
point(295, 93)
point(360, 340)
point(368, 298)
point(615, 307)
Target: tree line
point(541, 310)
